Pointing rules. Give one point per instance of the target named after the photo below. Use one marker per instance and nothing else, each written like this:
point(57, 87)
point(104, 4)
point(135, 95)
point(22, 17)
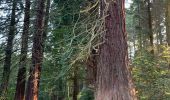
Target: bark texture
point(113, 77)
point(37, 53)
point(20, 87)
point(168, 21)
point(8, 51)
point(91, 69)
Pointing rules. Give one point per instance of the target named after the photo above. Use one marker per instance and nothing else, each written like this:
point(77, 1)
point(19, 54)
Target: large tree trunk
point(8, 51)
point(37, 53)
point(113, 77)
point(20, 87)
point(168, 21)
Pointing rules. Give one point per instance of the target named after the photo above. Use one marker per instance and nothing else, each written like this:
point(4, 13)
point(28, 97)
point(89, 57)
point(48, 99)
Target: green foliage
point(151, 76)
point(86, 94)
point(69, 43)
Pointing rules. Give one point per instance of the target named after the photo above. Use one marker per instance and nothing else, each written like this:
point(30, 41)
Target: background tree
point(168, 21)
point(8, 50)
point(21, 78)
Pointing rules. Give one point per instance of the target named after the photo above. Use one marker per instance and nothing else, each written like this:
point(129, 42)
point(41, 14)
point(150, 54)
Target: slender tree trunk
point(8, 51)
point(150, 26)
point(113, 77)
point(168, 21)
point(47, 11)
point(75, 84)
point(20, 87)
point(37, 53)
point(139, 35)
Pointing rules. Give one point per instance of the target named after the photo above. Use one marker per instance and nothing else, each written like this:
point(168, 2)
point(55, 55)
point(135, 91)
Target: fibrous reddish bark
point(113, 77)
point(37, 53)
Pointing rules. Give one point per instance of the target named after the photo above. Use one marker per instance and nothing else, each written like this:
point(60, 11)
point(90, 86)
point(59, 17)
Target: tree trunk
point(75, 84)
point(37, 53)
point(168, 21)
point(150, 26)
point(20, 87)
point(91, 69)
point(139, 35)
point(113, 77)
point(47, 11)
point(8, 51)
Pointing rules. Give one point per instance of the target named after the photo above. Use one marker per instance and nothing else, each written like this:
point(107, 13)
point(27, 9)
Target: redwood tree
point(37, 53)
point(20, 87)
point(113, 77)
